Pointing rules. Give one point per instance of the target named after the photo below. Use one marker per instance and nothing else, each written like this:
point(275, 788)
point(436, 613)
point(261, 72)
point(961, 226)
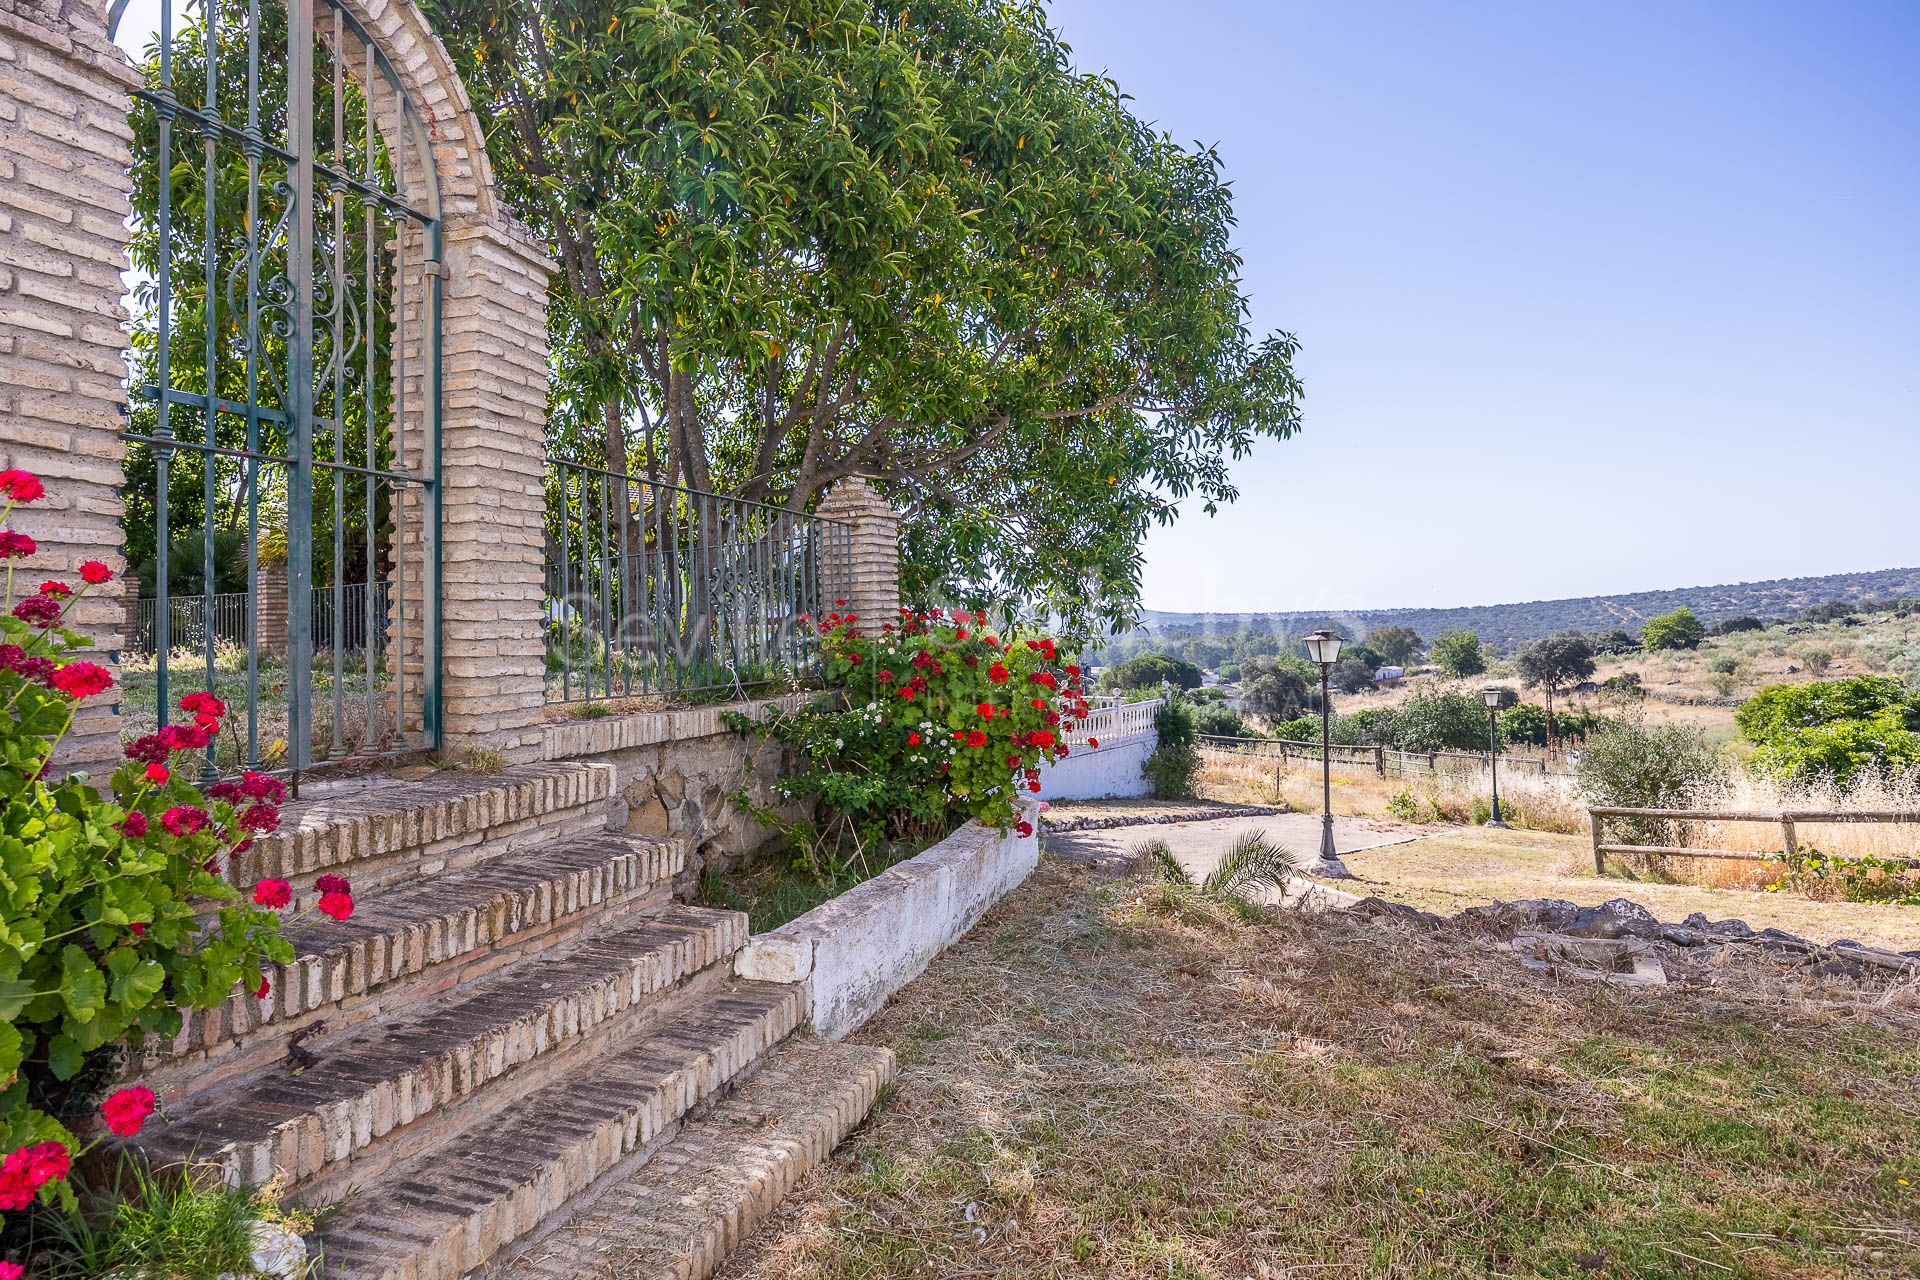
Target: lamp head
point(1323, 647)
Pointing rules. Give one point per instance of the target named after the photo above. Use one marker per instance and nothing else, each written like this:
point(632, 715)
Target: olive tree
point(1553, 664)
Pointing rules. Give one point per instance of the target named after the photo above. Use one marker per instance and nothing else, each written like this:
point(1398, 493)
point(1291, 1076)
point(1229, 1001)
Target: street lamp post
point(1324, 648)
point(1498, 699)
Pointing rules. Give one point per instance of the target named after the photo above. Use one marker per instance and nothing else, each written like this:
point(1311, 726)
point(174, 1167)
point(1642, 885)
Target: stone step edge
point(453, 1208)
point(324, 979)
point(340, 830)
point(695, 1200)
point(302, 1146)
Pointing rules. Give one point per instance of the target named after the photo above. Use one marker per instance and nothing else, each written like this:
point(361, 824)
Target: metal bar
point(164, 107)
point(336, 303)
point(369, 414)
point(209, 249)
point(300, 387)
point(565, 603)
point(430, 445)
point(606, 641)
point(254, 147)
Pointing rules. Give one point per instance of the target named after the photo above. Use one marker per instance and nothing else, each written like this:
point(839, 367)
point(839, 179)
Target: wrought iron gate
point(286, 380)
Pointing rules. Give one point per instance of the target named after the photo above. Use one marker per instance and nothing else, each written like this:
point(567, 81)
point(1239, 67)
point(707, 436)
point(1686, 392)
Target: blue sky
point(1592, 298)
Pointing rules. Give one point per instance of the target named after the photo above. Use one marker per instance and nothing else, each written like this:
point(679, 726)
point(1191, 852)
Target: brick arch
point(425, 70)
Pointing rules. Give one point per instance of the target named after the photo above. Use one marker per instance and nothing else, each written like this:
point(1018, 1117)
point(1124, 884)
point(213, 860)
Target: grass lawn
point(1472, 866)
point(1107, 1079)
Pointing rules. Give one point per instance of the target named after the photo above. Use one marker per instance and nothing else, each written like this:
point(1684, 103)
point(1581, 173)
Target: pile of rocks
point(1622, 942)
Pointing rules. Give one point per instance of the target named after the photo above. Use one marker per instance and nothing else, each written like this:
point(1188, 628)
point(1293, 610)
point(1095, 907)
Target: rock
point(278, 1251)
point(1549, 914)
point(1614, 918)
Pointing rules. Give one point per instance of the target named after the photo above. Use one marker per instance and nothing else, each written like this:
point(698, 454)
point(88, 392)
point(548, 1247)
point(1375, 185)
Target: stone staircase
point(517, 1024)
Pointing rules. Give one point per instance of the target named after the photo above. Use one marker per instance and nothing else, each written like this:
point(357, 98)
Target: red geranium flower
point(272, 893)
point(41, 611)
point(1093, 742)
point(1033, 786)
point(21, 486)
point(55, 587)
point(886, 677)
point(134, 824)
point(128, 1109)
point(998, 673)
point(203, 703)
point(1024, 827)
point(906, 691)
point(157, 774)
point(184, 819)
point(976, 739)
point(260, 992)
point(15, 545)
point(262, 786)
point(913, 738)
point(92, 571)
point(82, 679)
point(337, 905)
point(986, 710)
point(332, 884)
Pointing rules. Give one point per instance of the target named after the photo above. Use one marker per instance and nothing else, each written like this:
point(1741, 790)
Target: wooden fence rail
point(1788, 820)
point(1384, 760)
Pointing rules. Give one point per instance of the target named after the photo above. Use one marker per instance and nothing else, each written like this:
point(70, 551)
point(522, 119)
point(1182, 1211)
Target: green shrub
point(1277, 689)
point(1301, 729)
point(1723, 664)
point(1371, 727)
point(1832, 729)
point(1524, 724)
point(1635, 765)
point(1170, 769)
point(113, 914)
point(1442, 721)
point(938, 721)
point(1863, 879)
point(1681, 629)
point(1214, 720)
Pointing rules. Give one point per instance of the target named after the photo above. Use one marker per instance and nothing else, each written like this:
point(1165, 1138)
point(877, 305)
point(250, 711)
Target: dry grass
point(1107, 1080)
point(1553, 804)
point(1473, 866)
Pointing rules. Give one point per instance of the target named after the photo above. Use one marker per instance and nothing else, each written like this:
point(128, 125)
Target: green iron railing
point(286, 378)
point(657, 589)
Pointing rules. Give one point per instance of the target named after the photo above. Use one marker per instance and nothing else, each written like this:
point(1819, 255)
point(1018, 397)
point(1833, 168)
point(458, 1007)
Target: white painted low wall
point(877, 937)
point(1109, 771)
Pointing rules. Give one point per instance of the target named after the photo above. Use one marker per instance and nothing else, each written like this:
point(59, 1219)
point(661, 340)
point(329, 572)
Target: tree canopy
point(1397, 645)
point(801, 239)
point(1149, 671)
point(1680, 629)
point(1458, 653)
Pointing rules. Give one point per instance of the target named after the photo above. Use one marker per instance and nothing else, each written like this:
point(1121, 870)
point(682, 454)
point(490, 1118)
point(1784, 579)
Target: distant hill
point(1506, 625)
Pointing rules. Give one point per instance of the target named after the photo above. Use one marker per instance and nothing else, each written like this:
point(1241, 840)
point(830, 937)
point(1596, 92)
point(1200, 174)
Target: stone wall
point(674, 772)
point(65, 93)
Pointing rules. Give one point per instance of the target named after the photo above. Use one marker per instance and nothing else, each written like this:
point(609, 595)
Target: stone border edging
point(570, 738)
point(1202, 813)
point(857, 950)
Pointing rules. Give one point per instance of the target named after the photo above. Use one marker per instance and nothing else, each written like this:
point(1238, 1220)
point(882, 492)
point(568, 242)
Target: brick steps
point(373, 1083)
point(384, 833)
point(449, 1210)
point(403, 944)
point(701, 1194)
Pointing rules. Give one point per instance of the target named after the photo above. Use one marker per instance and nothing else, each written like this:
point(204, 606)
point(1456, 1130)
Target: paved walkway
point(1200, 845)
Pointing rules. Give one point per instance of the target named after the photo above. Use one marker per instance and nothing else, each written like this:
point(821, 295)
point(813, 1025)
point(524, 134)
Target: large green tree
point(802, 239)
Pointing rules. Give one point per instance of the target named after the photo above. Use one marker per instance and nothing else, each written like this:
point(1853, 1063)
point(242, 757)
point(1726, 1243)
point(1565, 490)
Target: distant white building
point(1387, 675)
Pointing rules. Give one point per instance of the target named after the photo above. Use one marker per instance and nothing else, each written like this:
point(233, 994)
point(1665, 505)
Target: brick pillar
point(869, 577)
point(65, 94)
point(493, 495)
point(270, 609)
